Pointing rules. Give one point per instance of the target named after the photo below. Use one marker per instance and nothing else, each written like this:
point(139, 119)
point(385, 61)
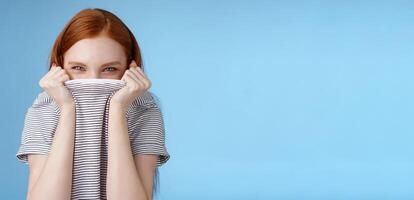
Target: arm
point(146, 165)
point(123, 180)
point(51, 176)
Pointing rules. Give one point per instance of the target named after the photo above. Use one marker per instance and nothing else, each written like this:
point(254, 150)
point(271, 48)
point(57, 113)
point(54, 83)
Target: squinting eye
point(77, 67)
point(113, 69)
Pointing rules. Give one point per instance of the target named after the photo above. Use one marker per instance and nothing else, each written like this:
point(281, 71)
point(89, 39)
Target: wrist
point(114, 105)
point(70, 103)
point(67, 107)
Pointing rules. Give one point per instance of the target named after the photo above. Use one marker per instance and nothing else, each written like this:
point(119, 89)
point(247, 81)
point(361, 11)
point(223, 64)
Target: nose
point(94, 75)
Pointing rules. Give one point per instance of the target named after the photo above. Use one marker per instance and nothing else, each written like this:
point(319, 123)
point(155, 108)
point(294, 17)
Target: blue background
point(261, 99)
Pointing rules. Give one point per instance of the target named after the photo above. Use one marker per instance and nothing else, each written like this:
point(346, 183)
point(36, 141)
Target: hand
point(136, 83)
point(53, 84)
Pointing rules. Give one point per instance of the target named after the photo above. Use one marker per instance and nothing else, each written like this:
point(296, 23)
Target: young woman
point(95, 44)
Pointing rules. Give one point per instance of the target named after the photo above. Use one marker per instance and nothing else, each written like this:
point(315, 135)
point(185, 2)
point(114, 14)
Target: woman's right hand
point(53, 84)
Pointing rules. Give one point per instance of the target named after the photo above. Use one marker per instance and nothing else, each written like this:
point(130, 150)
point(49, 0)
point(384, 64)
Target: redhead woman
point(95, 44)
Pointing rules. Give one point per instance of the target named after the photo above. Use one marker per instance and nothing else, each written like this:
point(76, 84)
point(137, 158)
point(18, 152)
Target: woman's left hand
point(136, 83)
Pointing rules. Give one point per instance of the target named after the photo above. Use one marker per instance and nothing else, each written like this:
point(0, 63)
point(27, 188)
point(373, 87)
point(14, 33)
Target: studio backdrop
point(260, 99)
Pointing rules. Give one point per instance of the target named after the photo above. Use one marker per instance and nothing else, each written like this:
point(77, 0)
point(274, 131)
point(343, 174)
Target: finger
point(51, 72)
point(138, 72)
point(139, 69)
point(63, 78)
point(135, 79)
point(128, 80)
point(133, 76)
point(134, 65)
point(123, 77)
point(147, 81)
point(54, 66)
point(55, 70)
point(134, 71)
point(59, 73)
point(142, 77)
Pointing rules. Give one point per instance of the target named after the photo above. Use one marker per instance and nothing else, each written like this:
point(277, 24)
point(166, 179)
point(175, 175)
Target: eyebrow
point(109, 63)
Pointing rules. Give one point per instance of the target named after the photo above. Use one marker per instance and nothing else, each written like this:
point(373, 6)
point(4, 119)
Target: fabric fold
point(92, 97)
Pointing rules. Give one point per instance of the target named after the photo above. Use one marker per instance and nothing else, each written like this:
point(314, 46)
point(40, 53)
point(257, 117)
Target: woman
point(95, 44)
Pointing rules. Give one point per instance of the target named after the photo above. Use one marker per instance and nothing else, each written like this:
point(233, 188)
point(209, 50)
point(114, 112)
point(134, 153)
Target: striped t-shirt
point(145, 128)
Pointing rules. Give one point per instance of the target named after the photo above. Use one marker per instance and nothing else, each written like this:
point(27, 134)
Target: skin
point(129, 176)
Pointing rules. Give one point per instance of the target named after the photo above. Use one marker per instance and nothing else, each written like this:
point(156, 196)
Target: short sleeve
point(148, 132)
point(39, 126)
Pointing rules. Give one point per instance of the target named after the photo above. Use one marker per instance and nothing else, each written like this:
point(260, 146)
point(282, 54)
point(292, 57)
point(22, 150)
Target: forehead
point(95, 51)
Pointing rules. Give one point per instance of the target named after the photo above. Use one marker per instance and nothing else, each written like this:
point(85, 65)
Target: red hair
point(89, 23)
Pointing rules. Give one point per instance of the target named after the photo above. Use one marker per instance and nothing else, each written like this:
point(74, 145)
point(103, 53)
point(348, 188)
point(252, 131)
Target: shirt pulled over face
point(92, 100)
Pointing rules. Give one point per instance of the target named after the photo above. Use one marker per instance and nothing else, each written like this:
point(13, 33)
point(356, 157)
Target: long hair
point(89, 23)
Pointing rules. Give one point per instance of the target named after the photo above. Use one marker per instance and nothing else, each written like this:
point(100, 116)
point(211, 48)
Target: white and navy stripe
point(145, 128)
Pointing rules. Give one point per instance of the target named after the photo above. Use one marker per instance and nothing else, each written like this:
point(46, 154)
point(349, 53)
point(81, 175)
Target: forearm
point(123, 181)
point(55, 180)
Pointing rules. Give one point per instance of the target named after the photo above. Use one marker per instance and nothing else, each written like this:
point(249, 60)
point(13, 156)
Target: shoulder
point(145, 104)
point(146, 100)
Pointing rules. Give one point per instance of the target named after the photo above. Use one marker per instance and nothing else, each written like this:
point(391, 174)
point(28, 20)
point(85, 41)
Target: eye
point(77, 68)
point(110, 68)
